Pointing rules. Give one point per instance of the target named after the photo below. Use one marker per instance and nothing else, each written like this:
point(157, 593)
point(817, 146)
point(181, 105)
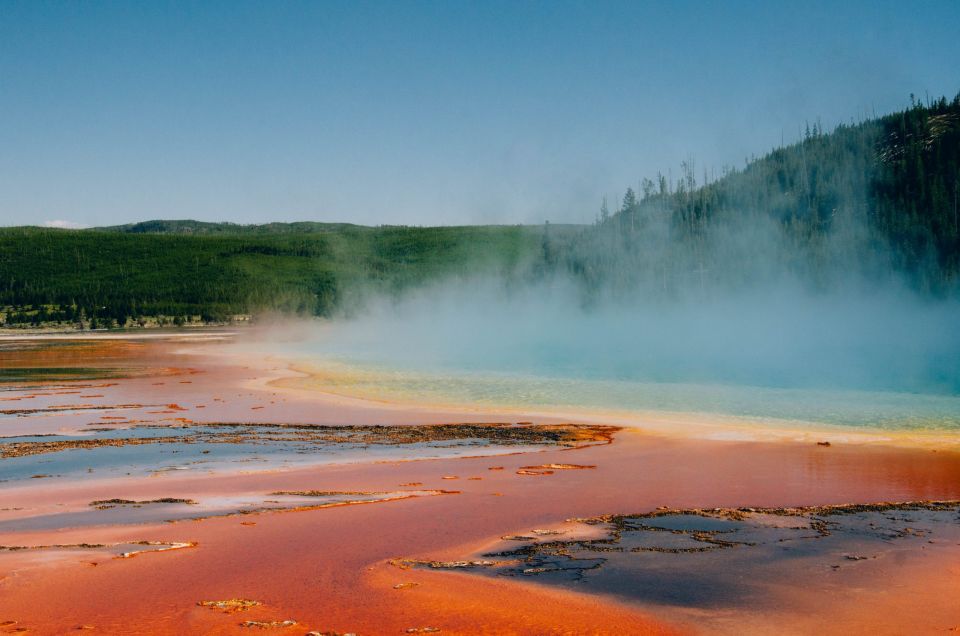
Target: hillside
point(874, 200)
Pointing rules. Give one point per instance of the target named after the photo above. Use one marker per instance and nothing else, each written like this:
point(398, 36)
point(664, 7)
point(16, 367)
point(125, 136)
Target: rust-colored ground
point(329, 569)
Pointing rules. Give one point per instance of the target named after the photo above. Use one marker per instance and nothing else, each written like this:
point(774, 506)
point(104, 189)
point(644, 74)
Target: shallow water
point(125, 512)
point(215, 448)
point(691, 560)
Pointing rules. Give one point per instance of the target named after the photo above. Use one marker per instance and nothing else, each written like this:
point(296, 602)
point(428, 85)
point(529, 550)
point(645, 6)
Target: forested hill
point(875, 200)
point(187, 271)
point(871, 201)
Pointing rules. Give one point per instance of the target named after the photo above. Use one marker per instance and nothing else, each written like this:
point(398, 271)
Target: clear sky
point(425, 112)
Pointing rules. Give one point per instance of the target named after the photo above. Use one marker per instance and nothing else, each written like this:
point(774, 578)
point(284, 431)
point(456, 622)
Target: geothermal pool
point(881, 362)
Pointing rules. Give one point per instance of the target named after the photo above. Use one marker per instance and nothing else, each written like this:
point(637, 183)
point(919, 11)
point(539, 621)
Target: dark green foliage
point(180, 269)
point(917, 184)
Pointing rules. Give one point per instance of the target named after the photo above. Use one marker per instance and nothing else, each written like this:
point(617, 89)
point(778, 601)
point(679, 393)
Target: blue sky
point(425, 112)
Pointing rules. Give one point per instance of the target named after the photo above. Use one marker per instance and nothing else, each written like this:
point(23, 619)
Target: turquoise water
point(885, 360)
point(882, 410)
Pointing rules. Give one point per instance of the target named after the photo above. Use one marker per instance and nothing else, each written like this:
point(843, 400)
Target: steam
point(785, 337)
point(735, 302)
point(756, 294)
